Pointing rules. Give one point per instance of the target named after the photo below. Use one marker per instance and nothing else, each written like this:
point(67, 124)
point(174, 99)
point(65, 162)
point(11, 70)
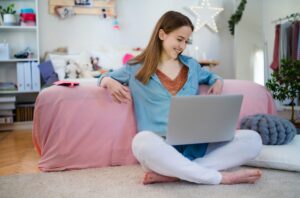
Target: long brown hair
point(169, 22)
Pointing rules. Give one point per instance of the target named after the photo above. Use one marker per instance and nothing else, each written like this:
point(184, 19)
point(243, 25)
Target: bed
point(81, 127)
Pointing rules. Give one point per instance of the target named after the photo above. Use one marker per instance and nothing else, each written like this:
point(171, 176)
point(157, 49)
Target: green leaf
point(8, 10)
point(236, 17)
point(285, 83)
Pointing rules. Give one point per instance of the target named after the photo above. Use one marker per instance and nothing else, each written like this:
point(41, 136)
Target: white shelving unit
point(24, 73)
point(18, 39)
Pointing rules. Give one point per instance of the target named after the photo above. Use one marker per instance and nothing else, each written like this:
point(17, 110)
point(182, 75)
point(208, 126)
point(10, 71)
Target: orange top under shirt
point(173, 86)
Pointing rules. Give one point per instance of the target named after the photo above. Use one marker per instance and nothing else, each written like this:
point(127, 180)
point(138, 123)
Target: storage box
point(4, 51)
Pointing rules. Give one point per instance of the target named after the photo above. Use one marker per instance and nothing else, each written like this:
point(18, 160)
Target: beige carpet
point(123, 182)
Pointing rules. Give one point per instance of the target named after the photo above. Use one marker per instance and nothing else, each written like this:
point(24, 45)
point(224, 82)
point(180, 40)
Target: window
point(258, 70)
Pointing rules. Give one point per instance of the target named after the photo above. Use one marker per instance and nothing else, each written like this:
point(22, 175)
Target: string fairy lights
point(205, 14)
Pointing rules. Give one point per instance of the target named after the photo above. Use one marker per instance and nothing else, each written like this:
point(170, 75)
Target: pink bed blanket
point(81, 127)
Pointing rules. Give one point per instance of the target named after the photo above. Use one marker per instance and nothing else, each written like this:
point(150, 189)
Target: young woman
point(150, 80)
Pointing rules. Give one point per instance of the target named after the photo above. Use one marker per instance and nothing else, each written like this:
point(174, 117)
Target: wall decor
point(205, 14)
point(88, 7)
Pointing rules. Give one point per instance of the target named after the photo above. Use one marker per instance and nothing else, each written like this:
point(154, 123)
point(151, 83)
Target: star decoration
point(205, 15)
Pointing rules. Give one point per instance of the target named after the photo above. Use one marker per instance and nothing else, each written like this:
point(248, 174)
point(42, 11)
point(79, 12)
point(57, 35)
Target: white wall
point(137, 19)
point(248, 39)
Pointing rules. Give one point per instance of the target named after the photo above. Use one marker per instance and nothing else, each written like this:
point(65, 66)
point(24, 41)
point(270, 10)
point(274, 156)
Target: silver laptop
point(203, 119)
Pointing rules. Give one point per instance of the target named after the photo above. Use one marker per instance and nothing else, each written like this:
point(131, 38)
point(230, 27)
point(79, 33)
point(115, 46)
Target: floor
point(17, 153)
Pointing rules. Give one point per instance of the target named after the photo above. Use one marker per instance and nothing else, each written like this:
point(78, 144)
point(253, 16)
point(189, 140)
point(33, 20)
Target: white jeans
point(155, 154)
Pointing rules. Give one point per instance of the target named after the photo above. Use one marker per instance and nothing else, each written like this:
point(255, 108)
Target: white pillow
point(284, 157)
point(59, 62)
point(112, 58)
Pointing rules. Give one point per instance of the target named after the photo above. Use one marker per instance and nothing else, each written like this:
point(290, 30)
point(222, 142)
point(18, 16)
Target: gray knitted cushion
point(272, 129)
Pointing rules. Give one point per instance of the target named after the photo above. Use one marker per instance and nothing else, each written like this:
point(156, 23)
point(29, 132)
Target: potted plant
point(285, 84)
point(8, 14)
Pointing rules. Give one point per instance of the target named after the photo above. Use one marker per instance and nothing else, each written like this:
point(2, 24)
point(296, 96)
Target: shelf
point(95, 9)
point(15, 60)
point(19, 37)
point(208, 63)
point(18, 27)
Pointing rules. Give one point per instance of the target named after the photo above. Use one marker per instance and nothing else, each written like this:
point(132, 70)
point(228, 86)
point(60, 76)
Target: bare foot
point(152, 177)
point(241, 176)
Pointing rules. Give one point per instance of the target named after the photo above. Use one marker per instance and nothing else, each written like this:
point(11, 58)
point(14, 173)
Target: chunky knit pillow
point(272, 129)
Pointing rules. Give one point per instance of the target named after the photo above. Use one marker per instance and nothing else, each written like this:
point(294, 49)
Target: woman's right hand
point(119, 92)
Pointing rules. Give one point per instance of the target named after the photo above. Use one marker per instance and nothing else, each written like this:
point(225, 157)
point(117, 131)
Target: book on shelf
point(7, 105)
point(6, 127)
point(6, 113)
point(6, 120)
point(8, 86)
point(24, 112)
point(35, 75)
point(7, 99)
point(28, 76)
point(20, 77)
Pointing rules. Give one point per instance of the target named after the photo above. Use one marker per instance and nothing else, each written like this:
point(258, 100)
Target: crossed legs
point(165, 164)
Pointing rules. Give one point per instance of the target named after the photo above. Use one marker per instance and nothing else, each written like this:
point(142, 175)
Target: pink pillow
point(257, 99)
point(126, 58)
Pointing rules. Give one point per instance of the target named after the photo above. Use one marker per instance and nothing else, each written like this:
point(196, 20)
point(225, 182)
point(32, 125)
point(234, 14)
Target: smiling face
point(174, 42)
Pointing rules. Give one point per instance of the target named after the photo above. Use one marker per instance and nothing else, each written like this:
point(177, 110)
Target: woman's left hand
point(216, 88)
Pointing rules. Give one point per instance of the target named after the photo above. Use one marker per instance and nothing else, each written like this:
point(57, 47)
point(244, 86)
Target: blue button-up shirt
point(152, 101)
